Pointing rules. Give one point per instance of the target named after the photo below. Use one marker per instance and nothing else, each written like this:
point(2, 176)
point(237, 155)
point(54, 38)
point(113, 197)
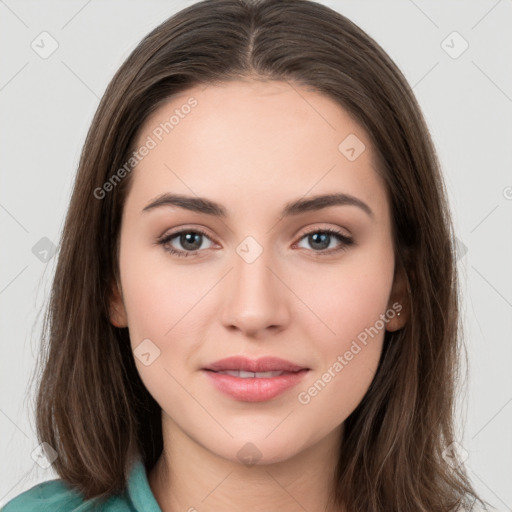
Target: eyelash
point(345, 241)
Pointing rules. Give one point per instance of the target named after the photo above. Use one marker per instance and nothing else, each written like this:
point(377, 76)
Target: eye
point(189, 239)
point(321, 239)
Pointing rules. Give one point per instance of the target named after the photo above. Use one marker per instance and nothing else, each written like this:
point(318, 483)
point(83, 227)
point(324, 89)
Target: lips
point(254, 380)
point(254, 366)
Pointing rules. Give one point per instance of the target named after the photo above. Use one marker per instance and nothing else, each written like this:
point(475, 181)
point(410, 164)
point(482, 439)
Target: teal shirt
point(56, 496)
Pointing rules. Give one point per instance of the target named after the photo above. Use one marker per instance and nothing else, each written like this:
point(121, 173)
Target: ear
point(398, 301)
point(117, 311)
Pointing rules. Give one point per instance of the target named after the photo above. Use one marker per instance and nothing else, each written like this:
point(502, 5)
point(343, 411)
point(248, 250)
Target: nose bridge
point(256, 297)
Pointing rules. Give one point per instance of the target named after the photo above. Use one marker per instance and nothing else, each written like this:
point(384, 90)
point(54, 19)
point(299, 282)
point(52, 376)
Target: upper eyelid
point(181, 230)
point(205, 231)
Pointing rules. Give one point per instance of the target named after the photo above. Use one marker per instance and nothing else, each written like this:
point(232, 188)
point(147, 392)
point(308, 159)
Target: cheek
point(346, 299)
point(348, 332)
point(164, 303)
point(161, 305)
point(158, 294)
point(348, 359)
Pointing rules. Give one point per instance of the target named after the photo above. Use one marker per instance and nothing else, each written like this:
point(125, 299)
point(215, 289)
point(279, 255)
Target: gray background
point(47, 105)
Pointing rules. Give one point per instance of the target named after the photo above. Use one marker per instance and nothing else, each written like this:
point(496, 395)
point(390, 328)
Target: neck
point(189, 477)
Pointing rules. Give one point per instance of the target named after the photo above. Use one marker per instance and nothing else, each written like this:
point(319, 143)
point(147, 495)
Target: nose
point(257, 297)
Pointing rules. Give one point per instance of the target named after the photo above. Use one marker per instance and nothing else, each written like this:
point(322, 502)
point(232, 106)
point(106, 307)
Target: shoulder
point(58, 496)
point(49, 495)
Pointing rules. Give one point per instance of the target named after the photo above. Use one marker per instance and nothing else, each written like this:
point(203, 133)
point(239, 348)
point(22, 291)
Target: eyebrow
point(209, 207)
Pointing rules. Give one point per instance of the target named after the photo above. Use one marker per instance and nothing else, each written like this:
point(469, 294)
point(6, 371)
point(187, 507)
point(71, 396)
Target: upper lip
point(263, 364)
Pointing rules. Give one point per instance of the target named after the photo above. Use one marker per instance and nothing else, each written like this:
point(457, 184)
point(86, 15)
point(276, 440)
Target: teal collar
point(139, 491)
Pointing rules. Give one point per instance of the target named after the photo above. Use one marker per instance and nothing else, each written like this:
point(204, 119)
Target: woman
point(255, 304)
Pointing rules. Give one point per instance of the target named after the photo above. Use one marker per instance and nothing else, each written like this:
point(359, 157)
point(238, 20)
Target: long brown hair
point(92, 406)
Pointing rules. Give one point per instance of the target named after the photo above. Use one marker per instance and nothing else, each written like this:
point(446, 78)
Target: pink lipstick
point(254, 380)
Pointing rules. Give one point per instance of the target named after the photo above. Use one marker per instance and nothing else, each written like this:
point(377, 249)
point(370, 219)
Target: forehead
point(250, 140)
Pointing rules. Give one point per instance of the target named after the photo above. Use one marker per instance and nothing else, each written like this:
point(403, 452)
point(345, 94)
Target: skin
point(253, 147)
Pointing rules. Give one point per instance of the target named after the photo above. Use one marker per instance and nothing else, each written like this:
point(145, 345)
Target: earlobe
point(397, 321)
point(398, 306)
point(117, 312)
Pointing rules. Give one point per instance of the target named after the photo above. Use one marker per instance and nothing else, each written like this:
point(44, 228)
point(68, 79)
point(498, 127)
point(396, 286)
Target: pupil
point(314, 239)
point(188, 238)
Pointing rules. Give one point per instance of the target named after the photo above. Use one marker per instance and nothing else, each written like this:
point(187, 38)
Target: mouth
point(258, 380)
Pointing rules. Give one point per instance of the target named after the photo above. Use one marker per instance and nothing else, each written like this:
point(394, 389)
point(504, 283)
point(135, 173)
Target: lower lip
point(254, 389)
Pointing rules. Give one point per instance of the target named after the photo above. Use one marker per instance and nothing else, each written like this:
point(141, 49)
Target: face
point(312, 285)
